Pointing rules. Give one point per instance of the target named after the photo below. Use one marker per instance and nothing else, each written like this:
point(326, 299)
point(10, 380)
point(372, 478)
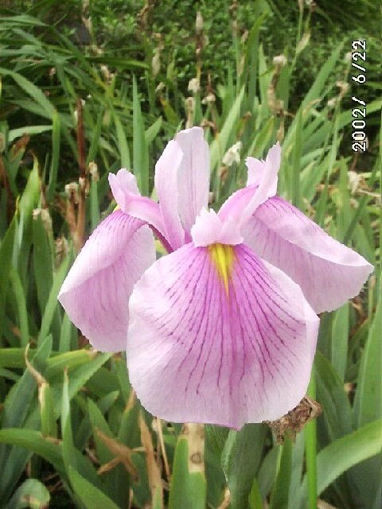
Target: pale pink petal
point(242, 204)
point(182, 183)
point(258, 169)
point(198, 351)
point(255, 169)
point(328, 272)
point(194, 175)
point(122, 185)
point(209, 229)
point(235, 205)
point(167, 189)
point(96, 291)
point(126, 194)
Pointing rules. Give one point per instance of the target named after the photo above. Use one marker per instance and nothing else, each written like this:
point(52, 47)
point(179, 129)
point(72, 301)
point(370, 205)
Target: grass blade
point(140, 151)
point(344, 453)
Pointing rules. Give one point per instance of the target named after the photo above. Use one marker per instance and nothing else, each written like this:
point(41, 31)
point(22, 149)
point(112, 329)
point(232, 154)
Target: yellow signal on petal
point(223, 257)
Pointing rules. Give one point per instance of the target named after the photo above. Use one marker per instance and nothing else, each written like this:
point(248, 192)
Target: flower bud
point(280, 60)
point(194, 85)
point(233, 154)
point(209, 99)
point(199, 22)
point(155, 62)
point(71, 191)
point(45, 218)
point(93, 170)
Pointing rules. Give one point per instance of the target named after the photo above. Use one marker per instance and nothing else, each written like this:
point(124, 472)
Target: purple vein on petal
point(205, 345)
point(270, 326)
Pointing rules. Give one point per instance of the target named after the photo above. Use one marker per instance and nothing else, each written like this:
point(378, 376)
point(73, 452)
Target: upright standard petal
point(182, 183)
point(258, 171)
point(194, 175)
point(96, 291)
point(219, 336)
point(166, 186)
point(262, 184)
point(328, 272)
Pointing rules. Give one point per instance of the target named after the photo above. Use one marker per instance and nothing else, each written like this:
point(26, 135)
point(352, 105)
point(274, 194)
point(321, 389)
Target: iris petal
point(194, 175)
point(182, 183)
point(262, 180)
point(328, 272)
point(166, 186)
point(199, 353)
point(126, 194)
point(96, 291)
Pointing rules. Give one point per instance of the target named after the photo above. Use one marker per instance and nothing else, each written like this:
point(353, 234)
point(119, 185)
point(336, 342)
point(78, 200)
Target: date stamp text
point(359, 106)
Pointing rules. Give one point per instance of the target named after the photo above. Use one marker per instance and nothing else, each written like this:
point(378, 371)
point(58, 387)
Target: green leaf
point(12, 357)
point(122, 143)
point(255, 500)
point(333, 398)
point(69, 360)
point(220, 144)
point(188, 488)
point(296, 161)
point(98, 421)
point(18, 404)
point(310, 435)
point(340, 338)
point(52, 302)
point(365, 478)
point(368, 398)
point(298, 466)
point(90, 495)
point(241, 459)
point(152, 132)
point(28, 129)
point(42, 261)
point(344, 453)
point(95, 215)
point(66, 334)
point(19, 398)
point(216, 438)
point(32, 493)
point(316, 89)
point(47, 109)
point(28, 201)
point(56, 143)
point(71, 455)
point(48, 420)
point(140, 150)
point(280, 492)
point(268, 471)
point(34, 442)
point(21, 305)
point(80, 376)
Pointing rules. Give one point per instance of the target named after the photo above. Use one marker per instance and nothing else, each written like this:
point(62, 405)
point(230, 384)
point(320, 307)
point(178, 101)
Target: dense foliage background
point(88, 87)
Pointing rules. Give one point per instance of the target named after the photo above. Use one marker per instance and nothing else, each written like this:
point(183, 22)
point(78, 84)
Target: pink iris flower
point(223, 329)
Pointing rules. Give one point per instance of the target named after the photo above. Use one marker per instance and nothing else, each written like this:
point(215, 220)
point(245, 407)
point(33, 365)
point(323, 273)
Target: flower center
point(223, 257)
